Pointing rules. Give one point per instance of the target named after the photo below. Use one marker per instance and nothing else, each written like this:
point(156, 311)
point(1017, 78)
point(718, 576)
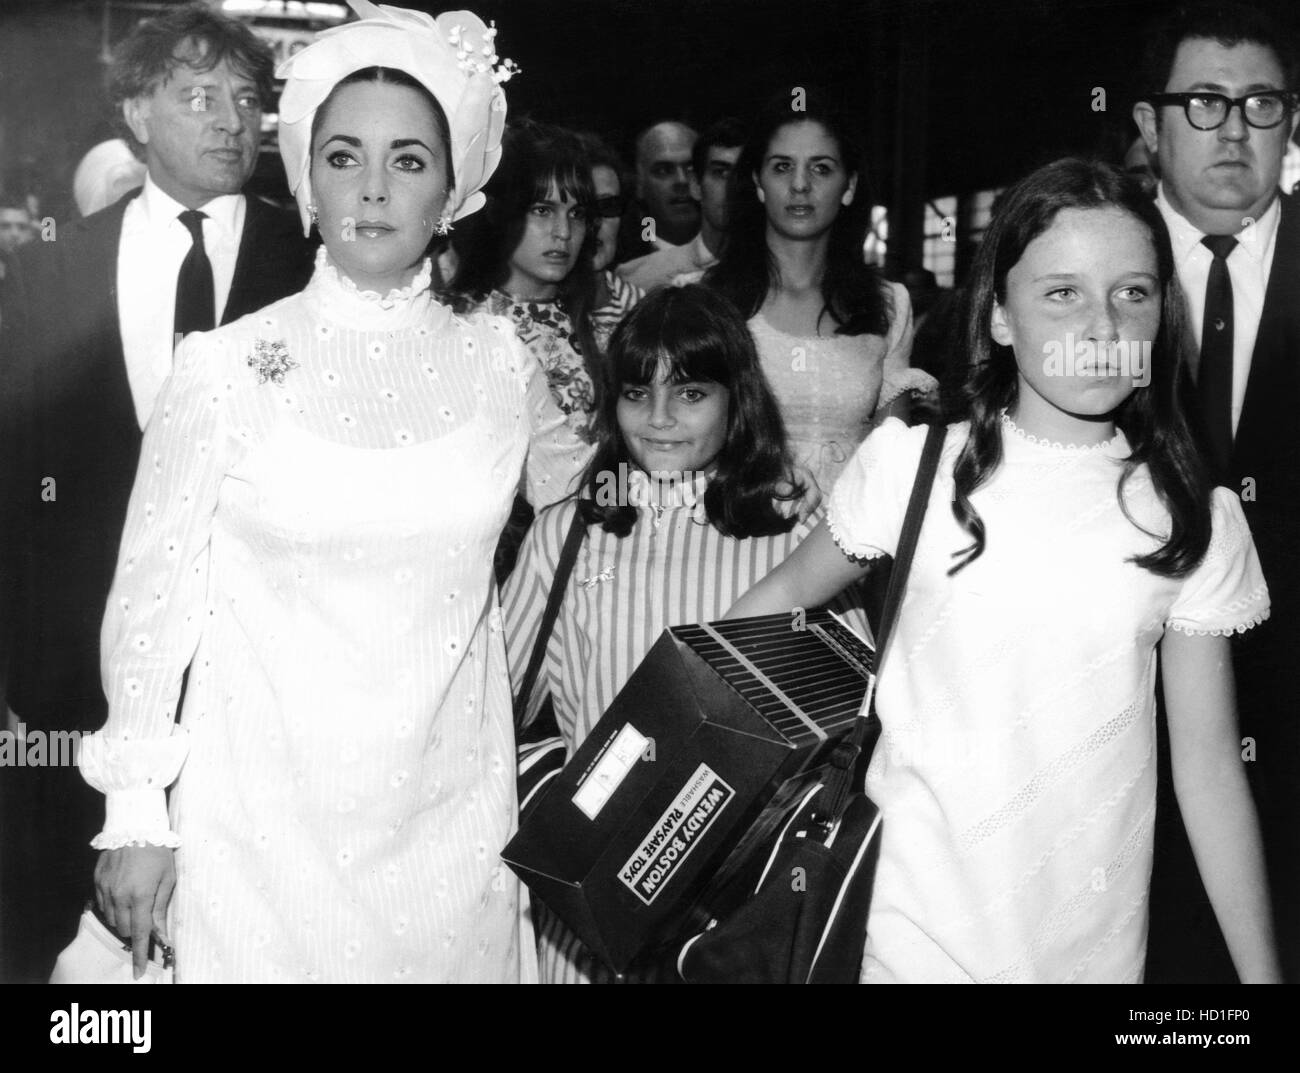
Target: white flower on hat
point(454, 57)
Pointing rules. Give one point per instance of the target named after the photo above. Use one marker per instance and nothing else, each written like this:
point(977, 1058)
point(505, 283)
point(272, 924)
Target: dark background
point(954, 96)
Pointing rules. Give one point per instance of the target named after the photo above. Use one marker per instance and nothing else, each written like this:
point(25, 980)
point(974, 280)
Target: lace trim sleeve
point(904, 381)
point(1226, 593)
point(1238, 616)
point(1241, 627)
point(864, 555)
point(865, 507)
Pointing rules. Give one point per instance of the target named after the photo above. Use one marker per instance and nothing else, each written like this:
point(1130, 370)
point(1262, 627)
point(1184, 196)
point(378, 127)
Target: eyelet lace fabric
point(1015, 769)
point(317, 550)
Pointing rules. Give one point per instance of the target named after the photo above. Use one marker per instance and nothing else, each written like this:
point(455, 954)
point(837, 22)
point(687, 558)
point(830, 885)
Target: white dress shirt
point(153, 246)
point(662, 267)
point(1248, 268)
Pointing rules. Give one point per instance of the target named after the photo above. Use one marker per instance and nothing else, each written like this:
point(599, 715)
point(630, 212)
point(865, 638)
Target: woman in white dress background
point(311, 533)
point(834, 337)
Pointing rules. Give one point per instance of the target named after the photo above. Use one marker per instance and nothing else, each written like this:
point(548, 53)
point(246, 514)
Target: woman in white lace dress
point(1071, 534)
point(311, 533)
point(835, 338)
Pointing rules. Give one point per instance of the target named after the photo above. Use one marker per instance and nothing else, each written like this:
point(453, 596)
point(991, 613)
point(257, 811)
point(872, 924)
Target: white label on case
point(611, 769)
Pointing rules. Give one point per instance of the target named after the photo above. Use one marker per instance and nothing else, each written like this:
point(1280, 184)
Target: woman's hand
point(800, 474)
point(133, 887)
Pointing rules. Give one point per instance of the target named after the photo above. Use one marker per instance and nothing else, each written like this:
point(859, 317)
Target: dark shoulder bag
point(805, 921)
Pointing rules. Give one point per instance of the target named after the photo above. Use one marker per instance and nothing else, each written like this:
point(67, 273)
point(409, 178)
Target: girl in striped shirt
point(687, 504)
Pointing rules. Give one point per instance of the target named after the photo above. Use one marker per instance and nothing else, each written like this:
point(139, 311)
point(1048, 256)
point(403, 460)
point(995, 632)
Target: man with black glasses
point(1218, 112)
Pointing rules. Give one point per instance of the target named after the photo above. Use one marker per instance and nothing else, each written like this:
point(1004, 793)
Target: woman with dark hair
point(686, 505)
point(344, 776)
point(1071, 536)
point(833, 336)
point(528, 256)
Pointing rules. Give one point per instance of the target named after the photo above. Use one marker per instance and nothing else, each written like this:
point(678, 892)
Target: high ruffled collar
point(1116, 446)
point(660, 495)
point(340, 299)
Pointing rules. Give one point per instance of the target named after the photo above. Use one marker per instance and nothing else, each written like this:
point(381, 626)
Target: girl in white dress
point(1070, 535)
point(311, 533)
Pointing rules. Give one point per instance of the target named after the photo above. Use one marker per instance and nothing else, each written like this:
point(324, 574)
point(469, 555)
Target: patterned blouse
point(548, 332)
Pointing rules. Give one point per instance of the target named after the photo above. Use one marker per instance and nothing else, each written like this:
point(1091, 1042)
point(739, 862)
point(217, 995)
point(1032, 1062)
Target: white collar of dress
point(660, 491)
point(343, 301)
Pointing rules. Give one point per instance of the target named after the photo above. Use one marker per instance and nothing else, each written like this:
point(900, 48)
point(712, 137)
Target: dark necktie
point(195, 297)
point(1214, 381)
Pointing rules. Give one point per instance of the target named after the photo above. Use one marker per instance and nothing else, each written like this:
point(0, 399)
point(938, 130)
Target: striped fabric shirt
point(622, 297)
point(673, 568)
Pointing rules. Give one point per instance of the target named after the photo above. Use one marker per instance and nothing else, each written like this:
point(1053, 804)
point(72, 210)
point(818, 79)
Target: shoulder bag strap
point(908, 537)
point(844, 759)
point(568, 556)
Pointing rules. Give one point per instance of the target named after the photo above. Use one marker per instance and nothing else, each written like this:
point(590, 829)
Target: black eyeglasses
point(1209, 111)
point(611, 206)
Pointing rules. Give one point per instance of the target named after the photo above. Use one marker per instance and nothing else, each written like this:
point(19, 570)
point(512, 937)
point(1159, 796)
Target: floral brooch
point(271, 360)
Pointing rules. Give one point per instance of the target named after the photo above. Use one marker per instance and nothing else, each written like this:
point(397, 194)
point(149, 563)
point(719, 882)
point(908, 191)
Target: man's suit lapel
point(93, 263)
point(1274, 382)
point(271, 262)
point(83, 335)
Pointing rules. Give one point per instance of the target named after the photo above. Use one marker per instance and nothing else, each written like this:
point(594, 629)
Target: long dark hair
point(1152, 417)
point(534, 156)
point(697, 335)
point(855, 296)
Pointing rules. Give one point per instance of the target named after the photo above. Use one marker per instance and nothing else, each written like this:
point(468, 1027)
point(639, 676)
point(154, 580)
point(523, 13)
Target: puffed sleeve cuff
point(866, 506)
point(135, 817)
point(134, 774)
point(1226, 593)
point(905, 381)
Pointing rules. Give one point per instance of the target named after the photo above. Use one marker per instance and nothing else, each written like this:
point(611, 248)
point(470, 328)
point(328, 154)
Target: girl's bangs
point(683, 359)
point(569, 181)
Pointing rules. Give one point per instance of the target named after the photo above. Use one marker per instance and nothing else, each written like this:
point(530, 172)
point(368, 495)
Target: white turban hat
point(451, 56)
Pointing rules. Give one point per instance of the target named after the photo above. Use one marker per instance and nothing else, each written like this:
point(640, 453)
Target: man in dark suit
point(90, 325)
point(1218, 113)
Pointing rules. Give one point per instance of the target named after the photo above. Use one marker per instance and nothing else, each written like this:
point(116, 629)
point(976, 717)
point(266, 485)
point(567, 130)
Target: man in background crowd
point(712, 160)
point(16, 226)
point(1217, 113)
point(663, 211)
